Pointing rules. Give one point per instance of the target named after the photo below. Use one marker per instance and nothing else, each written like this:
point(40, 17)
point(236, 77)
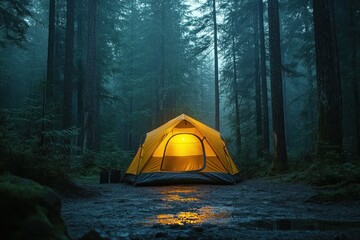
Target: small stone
point(198, 229)
point(160, 235)
point(93, 235)
point(340, 237)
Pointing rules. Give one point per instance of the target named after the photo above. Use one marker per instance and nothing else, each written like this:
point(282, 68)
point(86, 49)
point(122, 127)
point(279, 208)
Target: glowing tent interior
point(182, 150)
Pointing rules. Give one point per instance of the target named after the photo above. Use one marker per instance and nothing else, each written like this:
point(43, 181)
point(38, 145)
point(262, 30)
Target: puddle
point(179, 198)
point(300, 224)
point(186, 198)
point(179, 195)
point(202, 215)
point(181, 218)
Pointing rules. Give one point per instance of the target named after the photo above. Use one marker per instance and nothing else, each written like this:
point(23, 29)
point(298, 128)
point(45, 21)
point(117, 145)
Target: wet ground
point(248, 210)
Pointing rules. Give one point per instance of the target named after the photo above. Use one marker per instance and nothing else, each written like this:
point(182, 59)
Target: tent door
point(183, 152)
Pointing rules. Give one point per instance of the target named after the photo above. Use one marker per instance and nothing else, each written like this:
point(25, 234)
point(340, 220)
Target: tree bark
point(258, 113)
point(162, 65)
point(264, 93)
point(311, 109)
point(69, 67)
point(58, 68)
point(130, 107)
point(160, 84)
point(216, 65)
point(90, 84)
point(280, 159)
point(329, 135)
point(80, 70)
point(354, 75)
point(50, 77)
point(235, 94)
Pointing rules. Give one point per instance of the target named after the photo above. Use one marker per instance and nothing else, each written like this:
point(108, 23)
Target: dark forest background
point(82, 81)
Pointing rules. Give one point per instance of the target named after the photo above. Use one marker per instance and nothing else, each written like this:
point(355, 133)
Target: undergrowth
point(44, 170)
point(112, 158)
point(335, 177)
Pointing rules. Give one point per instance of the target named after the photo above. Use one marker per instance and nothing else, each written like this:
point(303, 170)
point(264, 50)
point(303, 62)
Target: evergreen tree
point(69, 65)
point(50, 74)
point(230, 70)
point(90, 84)
point(13, 24)
point(258, 110)
point(329, 135)
point(264, 88)
point(80, 69)
point(208, 36)
point(238, 48)
point(355, 73)
point(280, 159)
point(299, 71)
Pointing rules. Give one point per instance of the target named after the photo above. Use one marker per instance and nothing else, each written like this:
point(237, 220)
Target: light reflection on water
point(172, 198)
point(179, 195)
point(189, 198)
point(202, 215)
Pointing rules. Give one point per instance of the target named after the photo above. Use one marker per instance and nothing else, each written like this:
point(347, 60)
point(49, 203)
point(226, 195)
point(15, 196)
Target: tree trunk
point(311, 110)
point(259, 145)
point(285, 97)
point(217, 94)
point(130, 107)
point(160, 85)
point(329, 136)
point(50, 78)
point(280, 159)
point(68, 68)
point(264, 93)
point(354, 75)
point(235, 92)
point(162, 65)
point(97, 125)
point(58, 68)
point(90, 86)
point(80, 70)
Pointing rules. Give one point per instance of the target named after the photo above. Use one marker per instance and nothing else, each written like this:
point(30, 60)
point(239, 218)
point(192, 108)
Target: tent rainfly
point(182, 150)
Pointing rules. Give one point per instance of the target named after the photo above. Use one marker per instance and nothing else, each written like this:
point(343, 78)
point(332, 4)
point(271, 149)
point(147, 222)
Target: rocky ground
point(248, 210)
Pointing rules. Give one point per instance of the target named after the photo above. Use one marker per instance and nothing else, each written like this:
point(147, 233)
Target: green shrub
point(31, 147)
point(112, 158)
point(251, 168)
point(44, 170)
point(329, 172)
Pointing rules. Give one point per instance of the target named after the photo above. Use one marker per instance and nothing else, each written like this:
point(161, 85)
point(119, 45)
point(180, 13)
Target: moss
point(334, 180)
point(29, 210)
point(323, 173)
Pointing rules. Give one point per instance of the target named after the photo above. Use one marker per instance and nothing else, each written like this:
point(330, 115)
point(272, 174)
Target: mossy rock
point(29, 211)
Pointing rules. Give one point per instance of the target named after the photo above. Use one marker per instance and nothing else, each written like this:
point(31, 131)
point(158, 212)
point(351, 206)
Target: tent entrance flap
point(183, 152)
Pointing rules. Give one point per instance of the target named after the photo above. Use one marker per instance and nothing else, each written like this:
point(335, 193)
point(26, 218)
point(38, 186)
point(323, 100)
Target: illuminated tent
point(182, 150)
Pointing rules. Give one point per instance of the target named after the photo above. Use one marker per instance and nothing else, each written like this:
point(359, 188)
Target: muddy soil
point(248, 210)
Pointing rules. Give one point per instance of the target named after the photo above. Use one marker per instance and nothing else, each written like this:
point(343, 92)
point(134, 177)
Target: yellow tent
point(182, 150)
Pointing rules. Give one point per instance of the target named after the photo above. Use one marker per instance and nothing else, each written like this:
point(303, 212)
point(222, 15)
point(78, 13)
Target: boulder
point(29, 211)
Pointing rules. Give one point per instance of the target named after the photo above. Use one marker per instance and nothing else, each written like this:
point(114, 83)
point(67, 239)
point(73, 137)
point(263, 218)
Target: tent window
point(183, 152)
